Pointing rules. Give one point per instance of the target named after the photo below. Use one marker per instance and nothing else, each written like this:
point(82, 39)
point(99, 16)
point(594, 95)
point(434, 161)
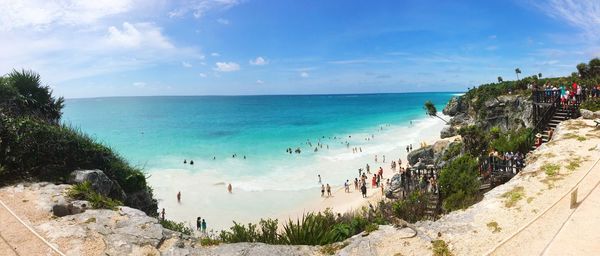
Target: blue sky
point(230, 47)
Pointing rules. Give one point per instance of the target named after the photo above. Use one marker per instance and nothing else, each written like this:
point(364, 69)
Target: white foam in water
point(283, 185)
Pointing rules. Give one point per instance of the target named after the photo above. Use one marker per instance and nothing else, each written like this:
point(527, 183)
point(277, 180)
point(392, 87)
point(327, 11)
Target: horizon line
point(255, 95)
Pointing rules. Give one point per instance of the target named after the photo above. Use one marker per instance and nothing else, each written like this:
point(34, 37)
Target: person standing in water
point(229, 188)
point(319, 175)
point(179, 197)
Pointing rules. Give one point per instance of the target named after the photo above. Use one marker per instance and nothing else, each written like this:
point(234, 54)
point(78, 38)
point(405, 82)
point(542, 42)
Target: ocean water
point(159, 133)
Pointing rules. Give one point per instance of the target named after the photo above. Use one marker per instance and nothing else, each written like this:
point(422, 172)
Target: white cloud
point(492, 37)
point(259, 61)
point(186, 64)
point(139, 84)
point(260, 81)
point(226, 66)
point(215, 54)
point(42, 14)
point(202, 75)
point(491, 48)
point(199, 7)
point(583, 14)
point(137, 35)
point(223, 21)
point(304, 74)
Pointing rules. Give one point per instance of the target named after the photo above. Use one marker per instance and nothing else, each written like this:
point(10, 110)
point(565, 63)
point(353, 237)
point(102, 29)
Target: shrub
point(412, 208)
point(453, 151)
point(209, 241)
point(371, 227)
point(514, 196)
point(459, 183)
point(591, 104)
point(474, 139)
point(84, 191)
point(550, 169)
point(512, 141)
point(177, 226)
point(440, 248)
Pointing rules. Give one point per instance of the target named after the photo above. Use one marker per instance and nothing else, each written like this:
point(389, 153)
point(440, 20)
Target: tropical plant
point(539, 75)
point(177, 226)
point(500, 79)
point(431, 110)
point(84, 191)
point(459, 183)
point(517, 71)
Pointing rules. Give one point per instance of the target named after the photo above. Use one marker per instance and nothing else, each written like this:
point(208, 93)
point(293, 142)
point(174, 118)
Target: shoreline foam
point(285, 191)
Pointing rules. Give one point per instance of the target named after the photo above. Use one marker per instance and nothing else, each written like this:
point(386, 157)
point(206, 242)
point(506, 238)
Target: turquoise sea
point(159, 133)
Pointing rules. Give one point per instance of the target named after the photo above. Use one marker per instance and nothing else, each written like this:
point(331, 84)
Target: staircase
point(432, 206)
point(559, 116)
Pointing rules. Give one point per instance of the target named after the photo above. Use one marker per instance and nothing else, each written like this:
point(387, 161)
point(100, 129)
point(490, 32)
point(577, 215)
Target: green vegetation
point(177, 226)
point(35, 146)
point(474, 139)
point(570, 136)
point(573, 164)
point(514, 196)
point(209, 241)
point(84, 191)
point(432, 111)
point(591, 105)
point(550, 169)
point(512, 141)
point(453, 151)
point(411, 209)
point(371, 227)
point(494, 227)
point(331, 249)
point(459, 183)
point(440, 248)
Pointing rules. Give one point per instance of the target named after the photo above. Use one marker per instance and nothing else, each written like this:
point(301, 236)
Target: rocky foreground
point(474, 231)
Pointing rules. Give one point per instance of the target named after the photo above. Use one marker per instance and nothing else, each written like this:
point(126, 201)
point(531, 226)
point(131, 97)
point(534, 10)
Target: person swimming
point(191, 162)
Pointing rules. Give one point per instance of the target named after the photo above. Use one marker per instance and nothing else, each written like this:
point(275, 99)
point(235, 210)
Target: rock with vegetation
point(424, 153)
point(100, 183)
point(453, 107)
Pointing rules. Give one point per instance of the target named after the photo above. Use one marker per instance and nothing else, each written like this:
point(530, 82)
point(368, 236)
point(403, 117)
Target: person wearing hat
point(538, 140)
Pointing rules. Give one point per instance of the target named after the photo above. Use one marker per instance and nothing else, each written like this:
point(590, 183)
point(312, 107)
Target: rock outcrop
point(424, 153)
point(100, 183)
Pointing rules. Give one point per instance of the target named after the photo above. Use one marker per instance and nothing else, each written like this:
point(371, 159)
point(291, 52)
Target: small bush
point(550, 169)
point(573, 165)
point(459, 183)
point(371, 227)
point(494, 227)
point(440, 248)
point(177, 226)
point(412, 208)
point(209, 241)
point(513, 196)
point(591, 104)
point(84, 191)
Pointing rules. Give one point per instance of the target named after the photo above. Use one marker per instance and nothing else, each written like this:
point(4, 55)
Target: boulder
point(425, 154)
point(448, 131)
point(453, 106)
point(460, 119)
point(100, 183)
point(62, 209)
point(587, 114)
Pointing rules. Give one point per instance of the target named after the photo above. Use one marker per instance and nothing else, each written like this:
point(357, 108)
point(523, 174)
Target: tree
point(594, 67)
point(500, 79)
point(432, 111)
point(583, 70)
point(539, 75)
point(518, 71)
point(28, 96)
point(458, 183)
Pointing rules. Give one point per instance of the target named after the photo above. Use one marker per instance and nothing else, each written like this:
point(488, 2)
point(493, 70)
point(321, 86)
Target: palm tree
point(539, 75)
point(500, 79)
point(33, 97)
point(431, 110)
point(518, 71)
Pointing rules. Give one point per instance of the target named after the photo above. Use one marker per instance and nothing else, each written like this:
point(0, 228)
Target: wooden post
point(574, 199)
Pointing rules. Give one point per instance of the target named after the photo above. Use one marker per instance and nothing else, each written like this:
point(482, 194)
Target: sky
point(245, 47)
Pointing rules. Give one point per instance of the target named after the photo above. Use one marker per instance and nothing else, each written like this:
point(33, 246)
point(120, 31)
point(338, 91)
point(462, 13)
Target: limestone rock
point(100, 183)
point(425, 154)
point(453, 106)
point(587, 114)
point(448, 131)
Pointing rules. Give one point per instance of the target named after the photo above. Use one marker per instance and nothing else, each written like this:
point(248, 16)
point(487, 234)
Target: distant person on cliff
point(198, 223)
point(407, 148)
point(179, 197)
point(163, 214)
point(204, 226)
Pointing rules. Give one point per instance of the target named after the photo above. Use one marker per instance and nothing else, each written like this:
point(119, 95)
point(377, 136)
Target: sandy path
point(16, 239)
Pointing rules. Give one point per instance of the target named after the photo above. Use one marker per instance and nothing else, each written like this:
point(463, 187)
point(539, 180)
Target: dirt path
point(16, 239)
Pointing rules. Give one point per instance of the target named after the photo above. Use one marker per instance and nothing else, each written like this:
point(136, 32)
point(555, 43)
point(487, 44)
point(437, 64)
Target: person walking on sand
point(376, 158)
point(204, 226)
point(229, 188)
point(179, 197)
point(322, 190)
point(363, 190)
point(319, 175)
point(384, 158)
point(374, 181)
point(355, 183)
point(328, 190)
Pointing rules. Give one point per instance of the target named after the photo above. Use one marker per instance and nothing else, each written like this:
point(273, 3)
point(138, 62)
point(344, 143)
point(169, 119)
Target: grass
point(90, 220)
point(331, 249)
point(530, 199)
point(371, 227)
point(177, 226)
point(573, 164)
point(550, 169)
point(514, 196)
point(574, 136)
point(494, 227)
point(84, 191)
point(440, 248)
point(209, 241)
point(592, 148)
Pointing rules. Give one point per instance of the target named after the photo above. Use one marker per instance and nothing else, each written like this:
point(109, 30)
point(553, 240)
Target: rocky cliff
point(509, 112)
